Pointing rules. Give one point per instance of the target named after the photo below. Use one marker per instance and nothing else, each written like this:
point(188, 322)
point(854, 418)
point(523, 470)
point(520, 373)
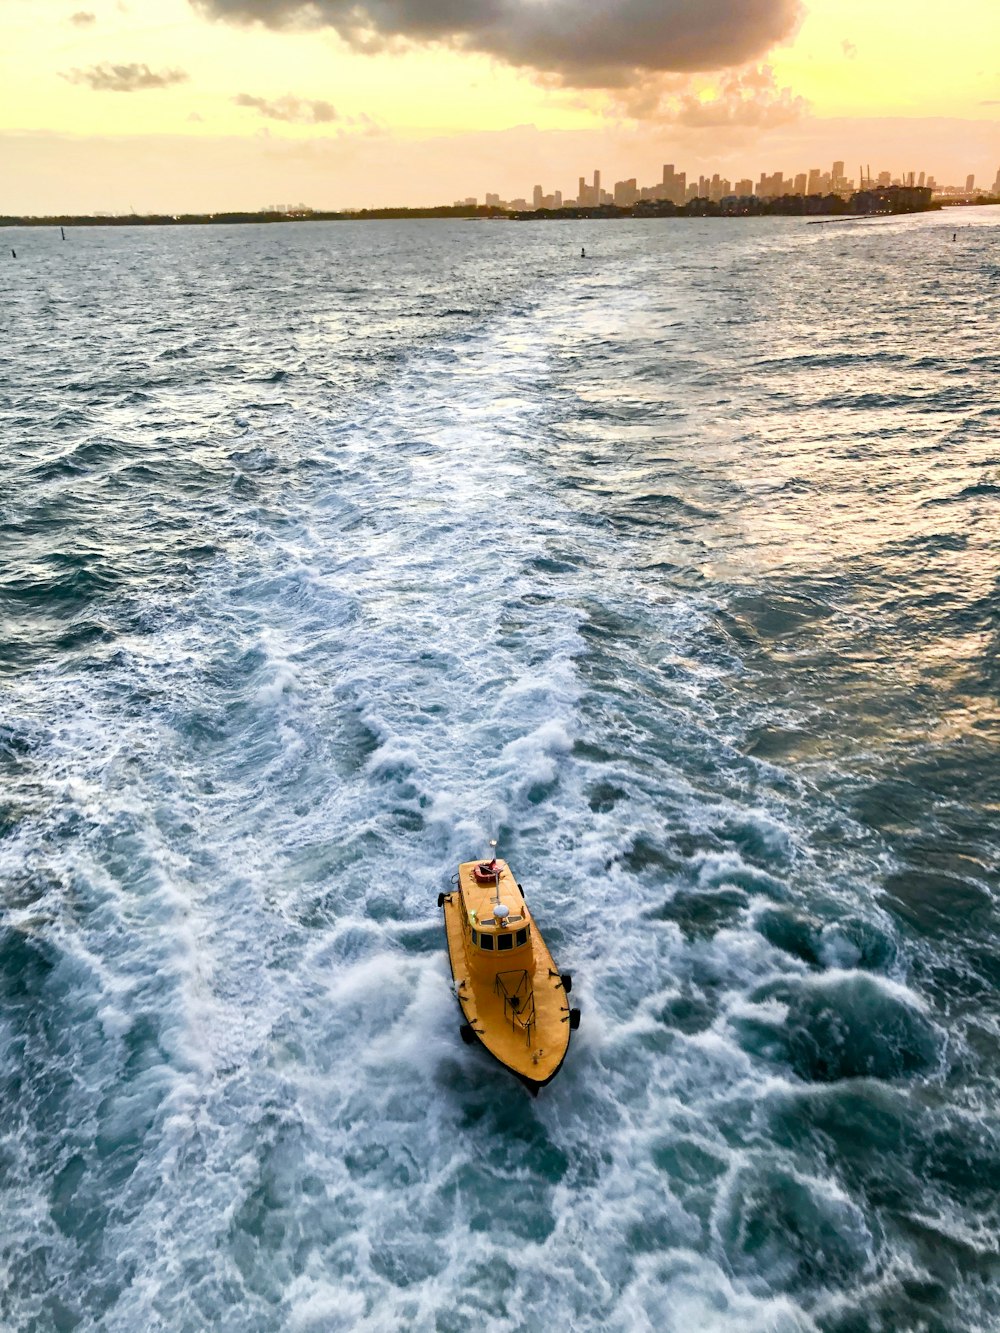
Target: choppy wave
point(370, 542)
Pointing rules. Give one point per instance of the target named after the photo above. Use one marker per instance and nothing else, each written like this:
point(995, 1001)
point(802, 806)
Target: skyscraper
point(537, 195)
point(673, 185)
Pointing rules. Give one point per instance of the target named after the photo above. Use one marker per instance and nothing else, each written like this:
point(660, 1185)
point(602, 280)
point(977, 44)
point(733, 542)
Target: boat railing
point(518, 996)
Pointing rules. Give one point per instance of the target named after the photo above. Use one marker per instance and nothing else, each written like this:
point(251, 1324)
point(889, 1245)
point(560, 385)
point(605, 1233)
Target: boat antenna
point(496, 894)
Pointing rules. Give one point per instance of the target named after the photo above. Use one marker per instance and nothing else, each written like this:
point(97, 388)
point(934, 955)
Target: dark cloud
point(82, 18)
point(108, 78)
point(595, 43)
point(294, 110)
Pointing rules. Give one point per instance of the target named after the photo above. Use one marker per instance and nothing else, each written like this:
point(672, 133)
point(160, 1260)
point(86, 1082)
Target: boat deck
point(513, 1000)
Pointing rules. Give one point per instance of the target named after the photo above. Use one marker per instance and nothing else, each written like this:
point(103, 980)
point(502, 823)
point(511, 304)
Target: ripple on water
point(363, 572)
point(843, 1025)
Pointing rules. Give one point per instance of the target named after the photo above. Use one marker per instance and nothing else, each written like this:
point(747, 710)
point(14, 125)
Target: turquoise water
point(330, 551)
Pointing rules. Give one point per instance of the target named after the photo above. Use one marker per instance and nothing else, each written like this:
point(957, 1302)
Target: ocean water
point(328, 552)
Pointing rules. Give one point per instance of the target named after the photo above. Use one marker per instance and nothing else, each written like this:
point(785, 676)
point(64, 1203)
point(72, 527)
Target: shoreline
point(834, 208)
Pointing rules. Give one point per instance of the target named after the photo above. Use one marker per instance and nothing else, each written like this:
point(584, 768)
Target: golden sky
point(88, 74)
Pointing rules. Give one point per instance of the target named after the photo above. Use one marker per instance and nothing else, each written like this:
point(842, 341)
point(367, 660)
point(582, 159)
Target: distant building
point(892, 199)
point(996, 183)
point(800, 183)
point(773, 186)
point(589, 196)
point(673, 185)
point(970, 184)
point(537, 195)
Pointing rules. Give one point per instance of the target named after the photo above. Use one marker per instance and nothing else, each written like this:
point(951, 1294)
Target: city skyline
point(675, 188)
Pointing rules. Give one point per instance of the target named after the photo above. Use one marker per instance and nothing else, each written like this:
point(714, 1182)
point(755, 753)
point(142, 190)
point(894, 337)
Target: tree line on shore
point(888, 200)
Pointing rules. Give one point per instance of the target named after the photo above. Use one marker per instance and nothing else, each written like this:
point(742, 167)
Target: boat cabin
point(495, 912)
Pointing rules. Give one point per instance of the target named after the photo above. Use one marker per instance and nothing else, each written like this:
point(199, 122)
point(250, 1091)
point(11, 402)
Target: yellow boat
point(512, 995)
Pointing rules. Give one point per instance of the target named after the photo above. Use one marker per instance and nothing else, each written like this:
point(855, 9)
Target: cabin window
point(486, 942)
point(475, 937)
point(522, 936)
point(505, 941)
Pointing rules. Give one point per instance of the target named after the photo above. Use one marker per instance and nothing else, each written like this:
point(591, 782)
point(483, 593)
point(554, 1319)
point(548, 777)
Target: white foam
point(229, 857)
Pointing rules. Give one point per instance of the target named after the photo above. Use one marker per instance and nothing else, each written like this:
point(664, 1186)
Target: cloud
point(588, 43)
point(293, 110)
point(849, 49)
point(108, 78)
point(748, 98)
point(82, 18)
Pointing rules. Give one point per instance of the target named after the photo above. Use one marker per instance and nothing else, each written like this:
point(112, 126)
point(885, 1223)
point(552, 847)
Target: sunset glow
point(325, 120)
